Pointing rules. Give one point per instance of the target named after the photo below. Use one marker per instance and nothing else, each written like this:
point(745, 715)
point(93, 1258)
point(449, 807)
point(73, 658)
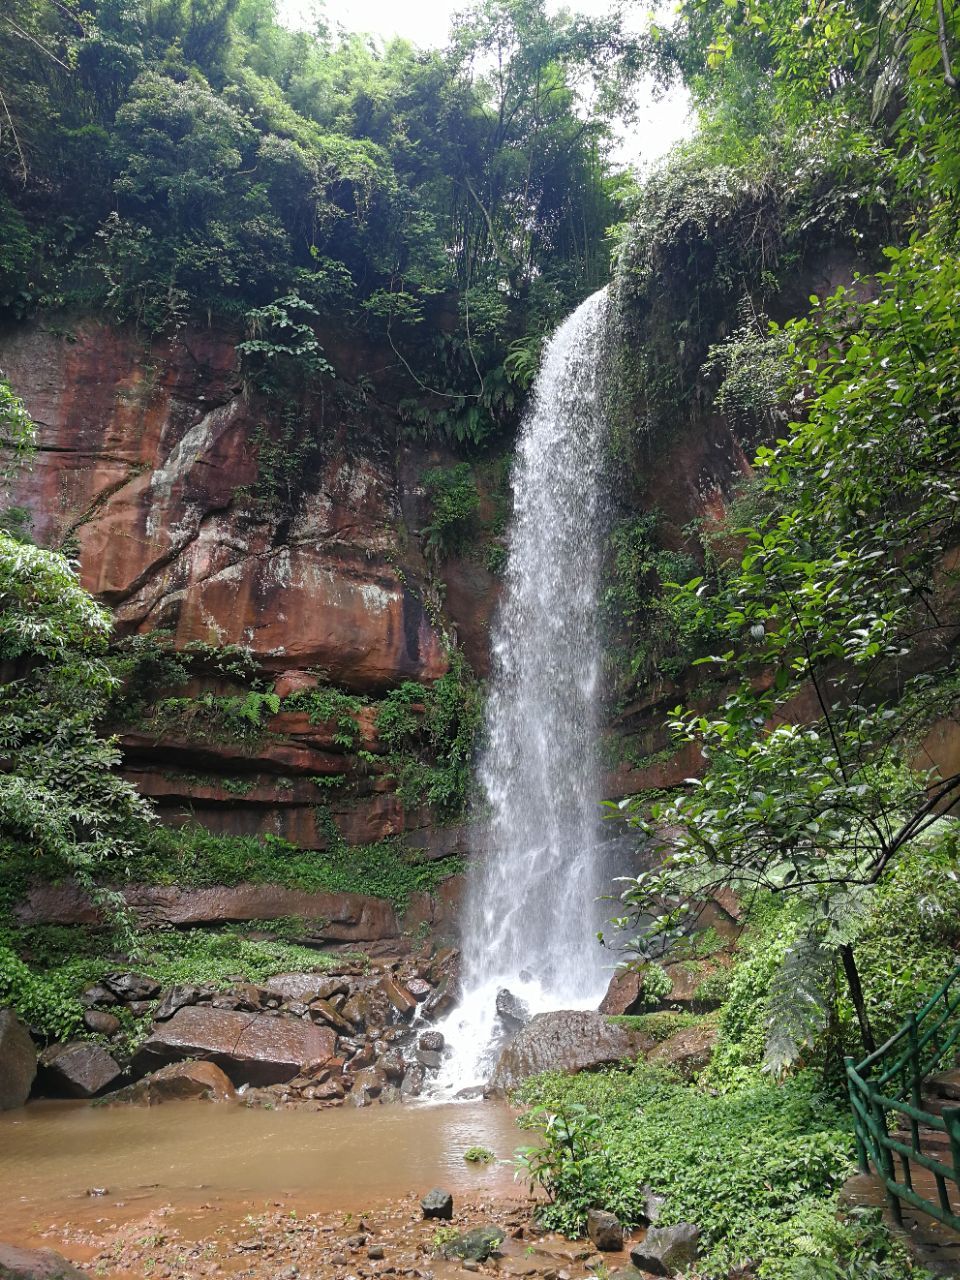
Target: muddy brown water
point(53, 1155)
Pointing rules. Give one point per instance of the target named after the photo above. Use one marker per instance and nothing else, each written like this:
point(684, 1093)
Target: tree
point(845, 616)
point(62, 801)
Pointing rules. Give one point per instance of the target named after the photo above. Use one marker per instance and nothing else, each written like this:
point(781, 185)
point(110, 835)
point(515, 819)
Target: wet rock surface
point(177, 1082)
point(511, 1010)
point(18, 1061)
point(252, 1048)
point(36, 1264)
point(476, 1245)
point(437, 1204)
point(568, 1040)
point(605, 1231)
point(688, 1050)
point(79, 1069)
point(301, 1039)
point(624, 994)
point(667, 1250)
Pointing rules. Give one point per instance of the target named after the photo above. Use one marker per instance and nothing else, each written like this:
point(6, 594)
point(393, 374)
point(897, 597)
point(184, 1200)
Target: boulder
point(605, 1230)
point(685, 979)
point(79, 1069)
point(369, 1008)
point(250, 998)
point(257, 1048)
point(345, 917)
point(429, 1059)
point(177, 1082)
point(323, 1011)
point(689, 1050)
point(131, 986)
point(36, 1264)
point(178, 997)
point(511, 1010)
point(419, 988)
point(477, 1245)
point(98, 994)
point(18, 1061)
point(307, 986)
point(355, 1010)
point(652, 1205)
point(431, 1041)
point(399, 996)
point(369, 1084)
point(103, 1023)
point(567, 1040)
point(412, 1085)
point(623, 994)
point(445, 997)
point(666, 1250)
point(392, 1065)
point(437, 1204)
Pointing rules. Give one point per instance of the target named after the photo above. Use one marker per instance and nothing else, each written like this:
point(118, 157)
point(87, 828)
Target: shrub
point(746, 1165)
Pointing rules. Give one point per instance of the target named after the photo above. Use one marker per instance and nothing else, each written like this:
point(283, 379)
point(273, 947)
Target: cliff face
point(149, 463)
point(149, 452)
point(148, 455)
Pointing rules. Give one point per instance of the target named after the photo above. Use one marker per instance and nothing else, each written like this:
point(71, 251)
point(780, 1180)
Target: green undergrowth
point(754, 1159)
point(749, 1166)
point(908, 944)
point(193, 857)
point(660, 1025)
point(429, 730)
point(44, 970)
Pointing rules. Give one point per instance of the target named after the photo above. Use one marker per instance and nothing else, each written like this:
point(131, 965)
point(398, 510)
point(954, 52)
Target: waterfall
point(531, 913)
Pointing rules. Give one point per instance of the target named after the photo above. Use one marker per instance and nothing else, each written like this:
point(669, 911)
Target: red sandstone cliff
point(147, 452)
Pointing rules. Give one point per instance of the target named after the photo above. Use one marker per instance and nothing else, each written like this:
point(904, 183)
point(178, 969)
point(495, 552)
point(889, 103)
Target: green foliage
point(147, 668)
point(17, 431)
point(753, 368)
point(196, 857)
point(571, 1165)
point(430, 732)
point(907, 942)
point(749, 1165)
point(327, 705)
point(661, 632)
point(454, 502)
point(186, 160)
point(661, 1025)
point(212, 716)
point(479, 1155)
point(847, 572)
point(60, 797)
point(852, 1246)
point(281, 351)
point(522, 363)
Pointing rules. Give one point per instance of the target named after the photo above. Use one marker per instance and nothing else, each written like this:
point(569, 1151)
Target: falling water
point(532, 914)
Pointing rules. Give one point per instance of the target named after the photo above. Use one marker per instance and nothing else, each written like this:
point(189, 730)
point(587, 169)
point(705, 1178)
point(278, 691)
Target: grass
point(192, 857)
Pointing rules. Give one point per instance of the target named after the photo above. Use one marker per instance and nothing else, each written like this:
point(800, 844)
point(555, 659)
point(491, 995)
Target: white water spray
point(532, 914)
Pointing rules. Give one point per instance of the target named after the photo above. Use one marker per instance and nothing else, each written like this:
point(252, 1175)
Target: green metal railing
point(888, 1084)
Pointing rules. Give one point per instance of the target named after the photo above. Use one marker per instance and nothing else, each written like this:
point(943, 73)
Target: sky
point(426, 22)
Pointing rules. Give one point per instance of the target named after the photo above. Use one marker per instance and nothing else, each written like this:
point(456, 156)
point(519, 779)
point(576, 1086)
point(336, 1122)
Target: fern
point(801, 997)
